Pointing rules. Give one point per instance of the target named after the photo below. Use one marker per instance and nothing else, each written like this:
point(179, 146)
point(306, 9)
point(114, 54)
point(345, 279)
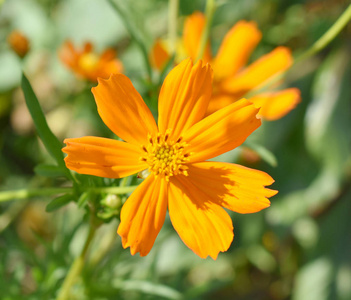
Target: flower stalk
point(327, 37)
point(172, 24)
point(134, 34)
point(29, 193)
point(210, 9)
point(76, 267)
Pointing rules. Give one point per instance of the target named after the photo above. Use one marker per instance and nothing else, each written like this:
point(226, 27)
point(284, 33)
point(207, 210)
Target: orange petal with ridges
point(271, 64)
point(276, 105)
point(184, 97)
point(123, 110)
point(203, 226)
point(143, 215)
point(159, 55)
point(193, 28)
point(235, 49)
point(221, 131)
point(103, 157)
point(232, 186)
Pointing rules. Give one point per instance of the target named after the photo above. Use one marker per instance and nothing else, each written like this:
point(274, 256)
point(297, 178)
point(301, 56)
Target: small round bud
point(113, 201)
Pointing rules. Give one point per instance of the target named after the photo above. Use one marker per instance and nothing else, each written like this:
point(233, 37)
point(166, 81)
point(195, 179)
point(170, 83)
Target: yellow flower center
point(88, 61)
point(164, 157)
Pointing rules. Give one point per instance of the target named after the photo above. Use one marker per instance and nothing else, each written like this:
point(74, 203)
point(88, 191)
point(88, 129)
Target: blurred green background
point(299, 248)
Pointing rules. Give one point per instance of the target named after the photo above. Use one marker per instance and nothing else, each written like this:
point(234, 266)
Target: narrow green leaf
point(48, 170)
point(50, 141)
point(264, 153)
point(136, 32)
point(58, 202)
point(327, 112)
point(83, 199)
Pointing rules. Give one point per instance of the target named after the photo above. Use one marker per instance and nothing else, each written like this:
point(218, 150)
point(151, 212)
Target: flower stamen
point(164, 157)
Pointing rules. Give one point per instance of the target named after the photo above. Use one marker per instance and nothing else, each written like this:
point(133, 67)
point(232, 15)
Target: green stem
point(172, 24)
point(124, 182)
point(113, 189)
point(76, 268)
point(133, 33)
point(28, 193)
point(328, 36)
point(210, 9)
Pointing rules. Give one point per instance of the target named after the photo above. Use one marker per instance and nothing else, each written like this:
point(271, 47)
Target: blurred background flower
point(87, 64)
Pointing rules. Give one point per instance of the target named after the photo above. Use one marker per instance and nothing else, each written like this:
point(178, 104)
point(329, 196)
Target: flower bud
point(112, 201)
point(18, 43)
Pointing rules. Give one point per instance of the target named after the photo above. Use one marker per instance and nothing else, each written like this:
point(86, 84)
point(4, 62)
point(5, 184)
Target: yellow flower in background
point(172, 156)
point(87, 64)
point(232, 80)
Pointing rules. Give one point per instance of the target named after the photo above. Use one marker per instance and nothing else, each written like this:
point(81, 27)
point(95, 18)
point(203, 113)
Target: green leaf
point(83, 199)
point(50, 141)
point(59, 202)
point(48, 170)
point(263, 152)
point(328, 111)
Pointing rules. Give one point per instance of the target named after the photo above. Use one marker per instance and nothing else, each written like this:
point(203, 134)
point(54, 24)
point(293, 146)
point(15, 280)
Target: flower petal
point(123, 110)
point(276, 105)
point(143, 215)
point(203, 226)
point(235, 49)
point(235, 187)
point(222, 131)
point(108, 55)
point(68, 54)
point(103, 157)
point(192, 33)
point(184, 97)
point(261, 70)
point(159, 55)
point(106, 68)
point(88, 47)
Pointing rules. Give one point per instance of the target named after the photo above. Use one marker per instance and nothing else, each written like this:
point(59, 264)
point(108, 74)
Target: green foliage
point(58, 202)
point(50, 141)
point(296, 249)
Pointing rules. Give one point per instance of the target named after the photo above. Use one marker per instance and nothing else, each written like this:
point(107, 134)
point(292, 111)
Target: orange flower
point(19, 43)
point(87, 64)
point(171, 155)
point(232, 80)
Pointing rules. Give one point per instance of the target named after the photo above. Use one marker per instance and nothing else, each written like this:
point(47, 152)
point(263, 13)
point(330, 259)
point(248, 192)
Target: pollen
point(166, 158)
